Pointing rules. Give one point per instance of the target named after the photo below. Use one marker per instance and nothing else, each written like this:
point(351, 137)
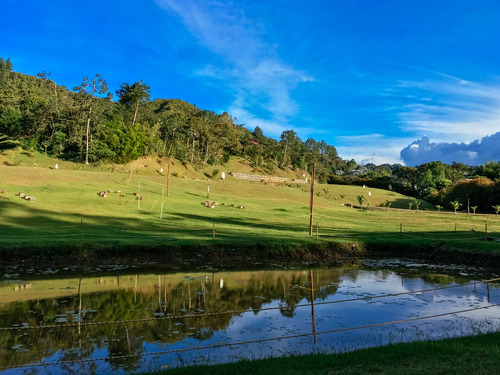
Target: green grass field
point(68, 209)
point(479, 355)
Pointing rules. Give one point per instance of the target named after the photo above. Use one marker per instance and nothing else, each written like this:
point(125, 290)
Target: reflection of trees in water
point(190, 296)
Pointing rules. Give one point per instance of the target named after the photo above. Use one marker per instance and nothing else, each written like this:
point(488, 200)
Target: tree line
point(438, 183)
point(86, 124)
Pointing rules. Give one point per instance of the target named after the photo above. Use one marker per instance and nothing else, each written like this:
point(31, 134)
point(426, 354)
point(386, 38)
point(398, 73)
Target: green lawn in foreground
point(68, 209)
point(479, 355)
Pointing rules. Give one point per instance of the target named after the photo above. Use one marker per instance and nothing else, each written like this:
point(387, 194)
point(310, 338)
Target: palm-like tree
point(416, 203)
point(496, 208)
point(361, 200)
point(456, 205)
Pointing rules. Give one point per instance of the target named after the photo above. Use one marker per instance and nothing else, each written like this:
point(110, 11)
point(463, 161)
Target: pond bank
point(460, 356)
point(88, 253)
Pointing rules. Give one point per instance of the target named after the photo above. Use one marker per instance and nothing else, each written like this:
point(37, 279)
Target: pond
point(116, 320)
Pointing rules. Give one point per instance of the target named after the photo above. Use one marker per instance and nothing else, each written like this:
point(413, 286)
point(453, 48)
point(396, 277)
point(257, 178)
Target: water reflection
point(125, 318)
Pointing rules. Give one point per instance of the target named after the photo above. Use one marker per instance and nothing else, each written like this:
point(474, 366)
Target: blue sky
point(370, 77)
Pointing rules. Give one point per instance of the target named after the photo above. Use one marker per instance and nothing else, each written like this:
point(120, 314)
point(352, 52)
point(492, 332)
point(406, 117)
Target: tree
point(361, 200)
point(416, 203)
point(10, 121)
point(87, 94)
point(293, 150)
point(257, 134)
point(439, 208)
point(496, 208)
point(5, 69)
point(133, 95)
point(474, 208)
point(456, 205)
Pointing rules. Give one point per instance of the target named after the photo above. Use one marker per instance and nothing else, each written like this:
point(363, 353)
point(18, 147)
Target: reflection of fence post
point(486, 231)
point(81, 228)
point(400, 230)
point(455, 226)
point(312, 308)
point(213, 230)
point(79, 305)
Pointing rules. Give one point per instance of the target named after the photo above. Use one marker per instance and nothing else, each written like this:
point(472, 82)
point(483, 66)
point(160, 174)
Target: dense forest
point(86, 124)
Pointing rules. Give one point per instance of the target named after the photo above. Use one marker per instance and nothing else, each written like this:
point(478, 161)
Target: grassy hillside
point(68, 209)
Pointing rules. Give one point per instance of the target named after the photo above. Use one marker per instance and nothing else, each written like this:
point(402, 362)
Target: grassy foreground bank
point(69, 217)
point(478, 355)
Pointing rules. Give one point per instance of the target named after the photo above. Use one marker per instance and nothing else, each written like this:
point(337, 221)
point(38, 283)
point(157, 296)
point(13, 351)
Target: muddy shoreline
point(87, 254)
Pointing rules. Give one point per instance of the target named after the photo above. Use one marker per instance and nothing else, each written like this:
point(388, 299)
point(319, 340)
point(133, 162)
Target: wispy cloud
point(450, 108)
point(252, 69)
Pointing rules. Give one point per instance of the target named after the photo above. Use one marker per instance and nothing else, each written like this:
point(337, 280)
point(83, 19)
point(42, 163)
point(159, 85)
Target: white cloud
point(474, 153)
point(454, 113)
point(252, 68)
point(270, 128)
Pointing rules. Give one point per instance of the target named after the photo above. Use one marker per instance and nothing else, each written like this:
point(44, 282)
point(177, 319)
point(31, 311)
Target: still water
point(113, 320)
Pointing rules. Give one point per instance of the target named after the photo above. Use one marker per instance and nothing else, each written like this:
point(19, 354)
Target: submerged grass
point(479, 355)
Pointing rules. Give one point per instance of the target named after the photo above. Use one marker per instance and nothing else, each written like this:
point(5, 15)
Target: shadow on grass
point(41, 228)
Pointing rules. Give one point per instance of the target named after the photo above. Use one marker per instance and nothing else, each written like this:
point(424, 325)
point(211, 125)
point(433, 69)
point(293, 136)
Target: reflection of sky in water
point(271, 324)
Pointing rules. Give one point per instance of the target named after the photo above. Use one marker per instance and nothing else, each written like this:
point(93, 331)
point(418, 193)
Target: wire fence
point(365, 298)
point(245, 342)
point(221, 345)
point(326, 227)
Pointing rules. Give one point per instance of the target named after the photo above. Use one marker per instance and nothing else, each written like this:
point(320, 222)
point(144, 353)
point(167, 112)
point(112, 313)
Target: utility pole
point(312, 200)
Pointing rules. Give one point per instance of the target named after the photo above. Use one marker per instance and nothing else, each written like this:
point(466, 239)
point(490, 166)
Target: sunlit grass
point(68, 209)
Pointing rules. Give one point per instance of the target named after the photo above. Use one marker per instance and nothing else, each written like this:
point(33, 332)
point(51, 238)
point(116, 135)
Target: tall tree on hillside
point(88, 91)
point(133, 95)
point(5, 69)
point(292, 147)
